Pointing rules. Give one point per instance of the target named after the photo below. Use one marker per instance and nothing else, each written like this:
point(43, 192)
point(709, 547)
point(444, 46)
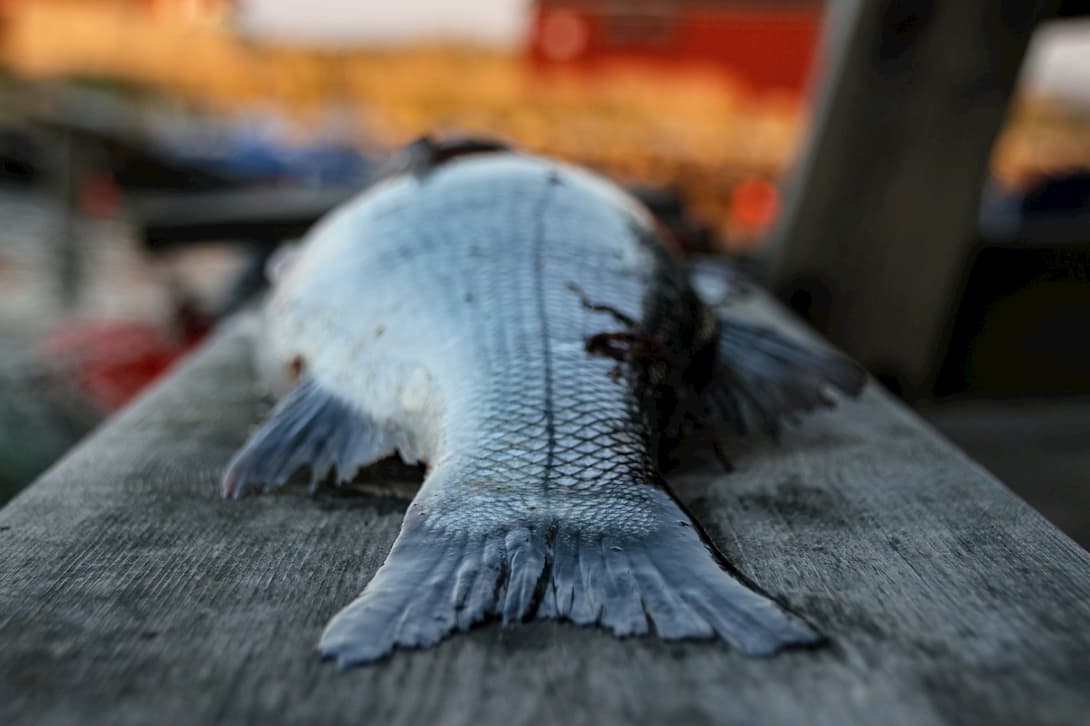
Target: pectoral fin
point(311, 427)
point(761, 378)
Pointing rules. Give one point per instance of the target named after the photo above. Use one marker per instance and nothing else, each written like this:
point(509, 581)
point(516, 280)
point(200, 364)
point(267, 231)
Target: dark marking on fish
point(586, 302)
point(295, 367)
point(538, 257)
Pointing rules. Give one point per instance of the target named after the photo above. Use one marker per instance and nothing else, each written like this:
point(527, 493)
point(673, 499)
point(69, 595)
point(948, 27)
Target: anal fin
point(310, 427)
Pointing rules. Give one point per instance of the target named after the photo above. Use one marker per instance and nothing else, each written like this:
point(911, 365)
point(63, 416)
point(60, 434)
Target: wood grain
point(131, 593)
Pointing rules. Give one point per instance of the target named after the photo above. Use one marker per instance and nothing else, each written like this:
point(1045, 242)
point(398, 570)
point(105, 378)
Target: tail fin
point(762, 378)
point(668, 581)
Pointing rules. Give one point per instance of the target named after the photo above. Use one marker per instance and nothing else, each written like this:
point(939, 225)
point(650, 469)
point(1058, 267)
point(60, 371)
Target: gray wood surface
point(130, 593)
point(1037, 447)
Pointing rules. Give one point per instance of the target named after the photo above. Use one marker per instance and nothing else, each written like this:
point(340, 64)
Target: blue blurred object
point(1054, 210)
point(253, 150)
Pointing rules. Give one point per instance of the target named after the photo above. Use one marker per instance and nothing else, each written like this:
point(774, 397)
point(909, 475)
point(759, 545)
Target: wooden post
point(66, 179)
point(880, 215)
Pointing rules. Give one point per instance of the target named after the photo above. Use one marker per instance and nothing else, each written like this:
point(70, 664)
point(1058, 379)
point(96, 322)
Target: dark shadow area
point(1019, 327)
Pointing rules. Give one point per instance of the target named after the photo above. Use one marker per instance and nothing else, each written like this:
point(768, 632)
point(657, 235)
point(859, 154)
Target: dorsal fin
point(422, 156)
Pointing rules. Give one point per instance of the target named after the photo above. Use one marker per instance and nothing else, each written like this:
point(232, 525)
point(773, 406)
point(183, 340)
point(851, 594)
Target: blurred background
point(153, 153)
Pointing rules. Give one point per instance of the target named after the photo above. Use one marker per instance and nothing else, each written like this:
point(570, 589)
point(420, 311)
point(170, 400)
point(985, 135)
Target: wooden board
point(1037, 447)
point(130, 593)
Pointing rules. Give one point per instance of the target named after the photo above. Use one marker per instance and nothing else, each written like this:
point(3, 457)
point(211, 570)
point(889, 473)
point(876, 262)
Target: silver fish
point(516, 324)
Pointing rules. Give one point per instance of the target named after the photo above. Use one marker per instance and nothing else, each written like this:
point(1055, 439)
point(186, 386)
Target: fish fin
point(668, 580)
point(310, 427)
point(761, 378)
point(425, 154)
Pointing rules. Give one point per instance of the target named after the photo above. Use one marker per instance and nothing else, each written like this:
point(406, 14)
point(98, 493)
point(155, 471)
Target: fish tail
point(668, 581)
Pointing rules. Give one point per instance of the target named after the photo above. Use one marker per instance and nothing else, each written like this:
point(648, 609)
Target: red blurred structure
point(767, 45)
point(110, 361)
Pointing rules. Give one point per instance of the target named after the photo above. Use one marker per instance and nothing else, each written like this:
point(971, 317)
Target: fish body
point(517, 325)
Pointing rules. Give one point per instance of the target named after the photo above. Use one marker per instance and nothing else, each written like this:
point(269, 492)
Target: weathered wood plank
point(1037, 447)
point(130, 592)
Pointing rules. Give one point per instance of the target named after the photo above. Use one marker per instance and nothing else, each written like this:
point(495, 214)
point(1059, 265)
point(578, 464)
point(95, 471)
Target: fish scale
point(550, 404)
point(450, 314)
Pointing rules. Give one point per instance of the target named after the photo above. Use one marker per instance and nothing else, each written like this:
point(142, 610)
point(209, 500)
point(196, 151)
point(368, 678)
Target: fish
point(520, 326)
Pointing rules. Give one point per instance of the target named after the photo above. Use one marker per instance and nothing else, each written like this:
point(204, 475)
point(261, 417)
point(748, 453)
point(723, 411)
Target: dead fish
point(516, 324)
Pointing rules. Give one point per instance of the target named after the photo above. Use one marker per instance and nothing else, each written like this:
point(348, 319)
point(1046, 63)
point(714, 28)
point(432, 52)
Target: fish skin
point(451, 316)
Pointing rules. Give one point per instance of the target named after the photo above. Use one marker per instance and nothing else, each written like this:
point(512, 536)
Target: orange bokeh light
point(753, 204)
